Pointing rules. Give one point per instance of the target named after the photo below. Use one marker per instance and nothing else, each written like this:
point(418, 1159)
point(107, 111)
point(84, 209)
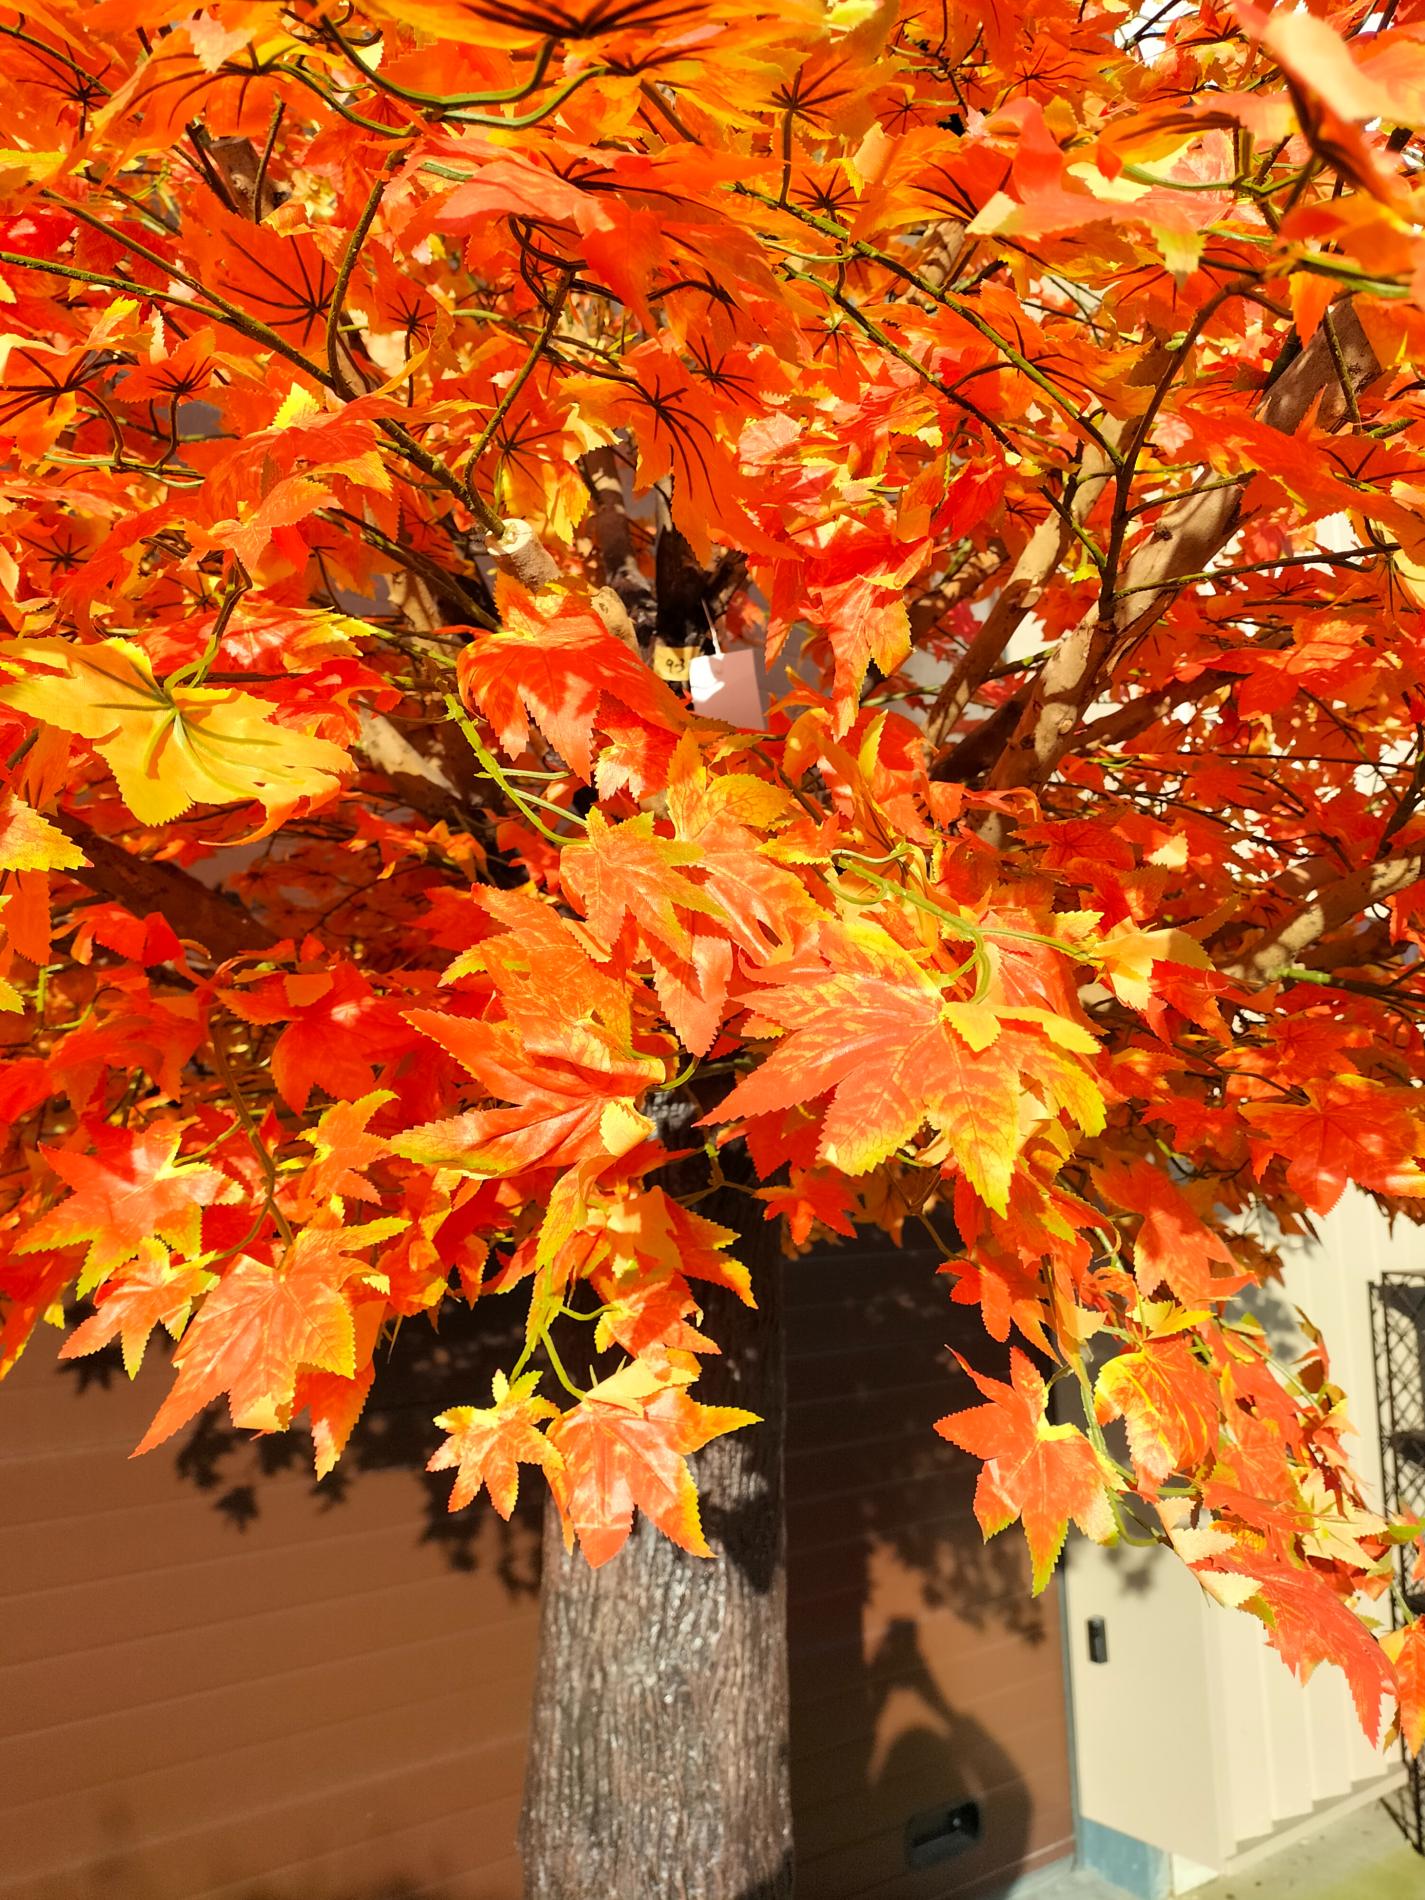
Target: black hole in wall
point(940, 1833)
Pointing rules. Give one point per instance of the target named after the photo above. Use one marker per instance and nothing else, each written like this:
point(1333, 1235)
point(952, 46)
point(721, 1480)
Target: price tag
point(672, 663)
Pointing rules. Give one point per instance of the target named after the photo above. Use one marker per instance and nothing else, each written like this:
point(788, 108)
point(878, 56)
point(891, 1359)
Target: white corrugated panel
point(1194, 1736)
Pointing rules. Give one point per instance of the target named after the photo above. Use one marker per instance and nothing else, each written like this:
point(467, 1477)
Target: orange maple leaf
point(263, 1325)
point(626, 871)
point(875, 1032)
point(1174, 1244)
point(486, 1447)
point(575, 1086)
point(153, 1291)
point(557, 667)
point(1309, 1623)
point(1170, 1403)
point(1350, 1128)
point(617, 1456)
point(1042, 1474)
point(343, 1148)
point(131, 1189)
point(1406, 1650)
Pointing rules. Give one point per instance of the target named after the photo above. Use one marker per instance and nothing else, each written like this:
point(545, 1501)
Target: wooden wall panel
point(220, 1682)
point(923, 1674)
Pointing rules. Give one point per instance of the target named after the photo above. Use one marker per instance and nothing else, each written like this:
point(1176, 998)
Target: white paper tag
point(725, 686)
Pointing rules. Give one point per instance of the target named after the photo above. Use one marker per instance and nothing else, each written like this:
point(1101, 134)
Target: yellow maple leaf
point(29, 842)
point(169, 748)
point(1127, 957)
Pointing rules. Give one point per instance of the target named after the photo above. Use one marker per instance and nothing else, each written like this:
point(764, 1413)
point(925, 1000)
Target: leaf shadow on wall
point(125, 1874)
point(924, 1675)
point(420, 1372)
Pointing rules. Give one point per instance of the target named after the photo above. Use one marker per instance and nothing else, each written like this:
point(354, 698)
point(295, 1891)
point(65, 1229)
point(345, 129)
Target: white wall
point(1193, 1735)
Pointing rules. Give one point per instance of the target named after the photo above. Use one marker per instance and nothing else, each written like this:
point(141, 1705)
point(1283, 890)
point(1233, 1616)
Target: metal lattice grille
point(1398, 1329)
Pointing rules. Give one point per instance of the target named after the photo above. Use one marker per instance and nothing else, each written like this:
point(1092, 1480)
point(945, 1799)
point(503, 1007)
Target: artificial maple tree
point(395, 398)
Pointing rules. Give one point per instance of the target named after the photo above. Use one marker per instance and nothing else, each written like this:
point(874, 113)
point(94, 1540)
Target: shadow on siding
point(925, 1678)
point(422, 1372)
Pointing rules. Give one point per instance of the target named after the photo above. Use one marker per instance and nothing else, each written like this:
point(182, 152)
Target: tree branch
point(613, 537)
point(1021, 593)
point(1134, 716)
point(1190, 535)
point(1274, 950)
point(195, 913)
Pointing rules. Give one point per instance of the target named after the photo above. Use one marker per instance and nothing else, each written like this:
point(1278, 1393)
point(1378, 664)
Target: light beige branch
point(520, 552)
point(1334, 906)
point(1186, 540)
point(1031, 574)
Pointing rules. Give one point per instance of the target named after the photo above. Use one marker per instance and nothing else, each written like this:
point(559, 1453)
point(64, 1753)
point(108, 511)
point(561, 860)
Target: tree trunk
point(658, 1750)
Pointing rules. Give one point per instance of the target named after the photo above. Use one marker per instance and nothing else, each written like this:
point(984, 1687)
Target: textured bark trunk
point(658, 1749)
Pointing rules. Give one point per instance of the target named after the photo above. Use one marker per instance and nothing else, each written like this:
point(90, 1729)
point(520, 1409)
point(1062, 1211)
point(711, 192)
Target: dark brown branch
point(224, 927)
point(976, 751)
point(613, 537)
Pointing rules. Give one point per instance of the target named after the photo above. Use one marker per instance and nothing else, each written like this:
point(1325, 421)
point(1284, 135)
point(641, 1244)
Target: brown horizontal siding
point(318, 1706)
point(923, 1674)
point(1001, 1688)
point(859, 1872)
point(323, 1705)
point(239, 1715)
